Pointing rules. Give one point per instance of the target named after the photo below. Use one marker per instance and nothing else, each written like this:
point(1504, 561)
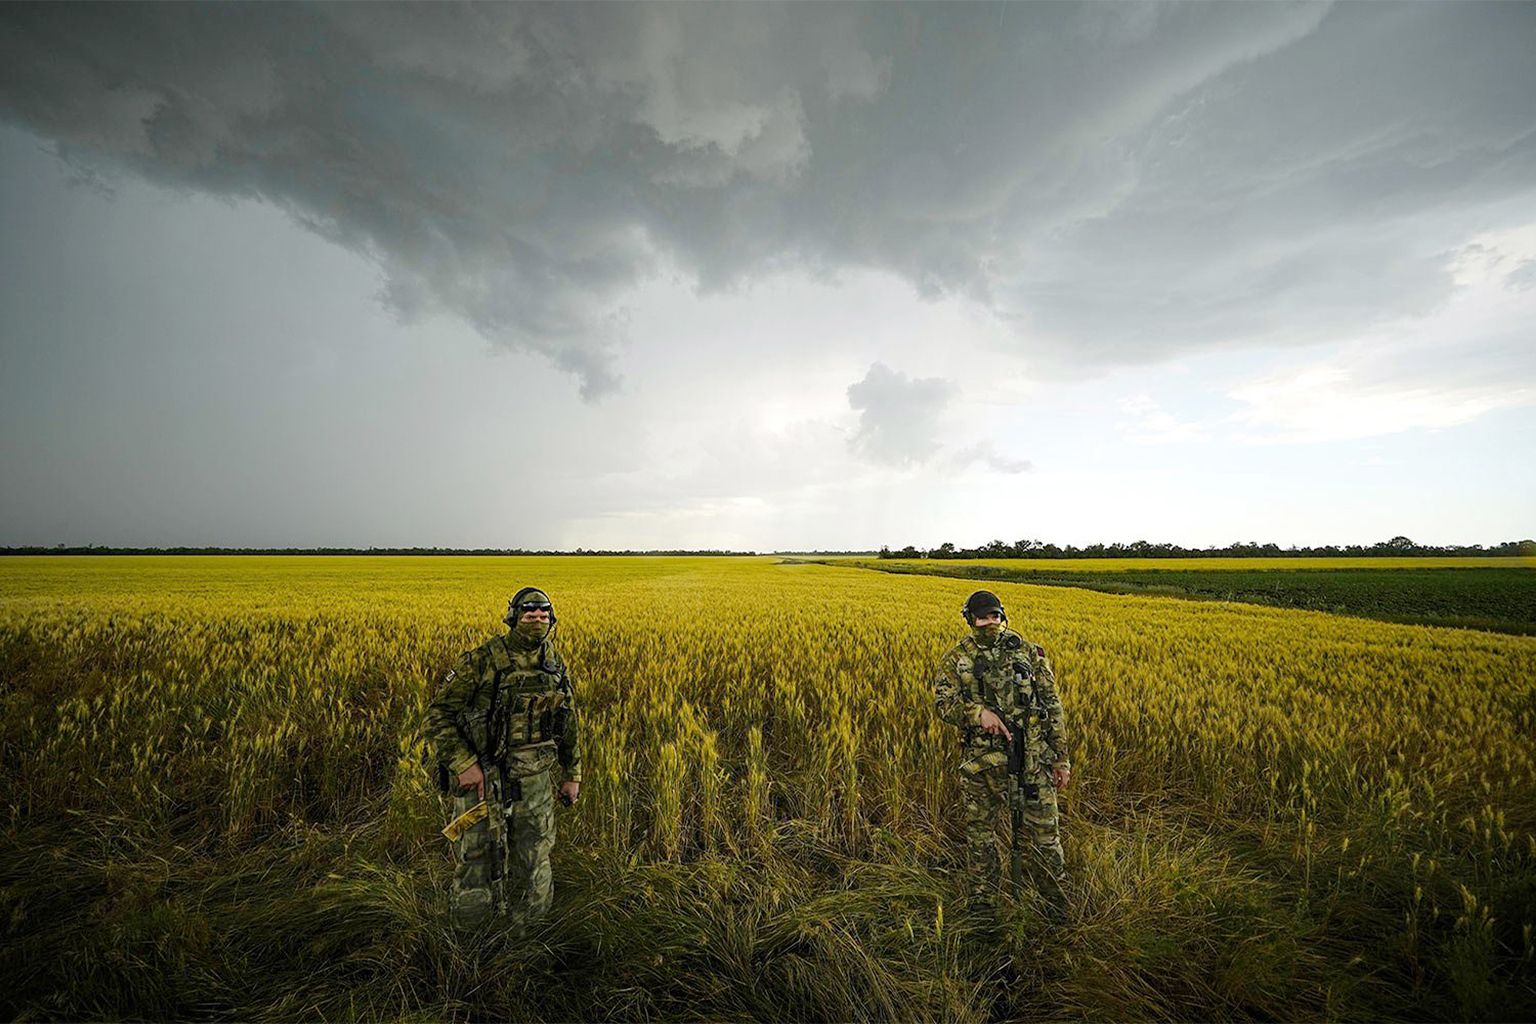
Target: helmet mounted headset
point(982, 602)
point(520, 603)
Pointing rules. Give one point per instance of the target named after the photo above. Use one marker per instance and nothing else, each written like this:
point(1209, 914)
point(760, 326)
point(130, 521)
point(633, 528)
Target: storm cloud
point(1121, 183)
point(898, 416)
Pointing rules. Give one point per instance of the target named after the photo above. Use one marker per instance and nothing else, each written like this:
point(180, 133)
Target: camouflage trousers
point(984, 797)
point(501, 864)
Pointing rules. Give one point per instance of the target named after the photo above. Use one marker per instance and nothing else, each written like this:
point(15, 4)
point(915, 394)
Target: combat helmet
point(525, 599)
point(982, 602)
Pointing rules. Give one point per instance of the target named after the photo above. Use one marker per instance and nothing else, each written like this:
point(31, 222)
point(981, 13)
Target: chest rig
point(1001, 678)
point(525, 694)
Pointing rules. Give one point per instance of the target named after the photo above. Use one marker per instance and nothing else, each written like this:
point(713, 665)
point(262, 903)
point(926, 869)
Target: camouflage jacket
point(1013, 677)
point(513, 704)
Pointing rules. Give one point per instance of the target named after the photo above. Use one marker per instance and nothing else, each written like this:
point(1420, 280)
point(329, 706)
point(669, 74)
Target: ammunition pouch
point(531, 718)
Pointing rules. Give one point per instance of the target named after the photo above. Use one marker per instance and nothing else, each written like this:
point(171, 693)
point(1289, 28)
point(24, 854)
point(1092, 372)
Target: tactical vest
point(1000, 677)
point(524, 696)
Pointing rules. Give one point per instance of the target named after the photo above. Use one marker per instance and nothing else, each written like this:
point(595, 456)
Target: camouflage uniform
point(512, 696)
point(1013, 678)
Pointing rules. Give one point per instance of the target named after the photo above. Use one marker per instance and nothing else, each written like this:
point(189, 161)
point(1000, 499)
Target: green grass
point(1499, 599)
point(343, 922)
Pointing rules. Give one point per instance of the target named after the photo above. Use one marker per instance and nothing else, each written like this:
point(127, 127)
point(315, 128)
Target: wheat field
point(217, 805)
point(1216, 564)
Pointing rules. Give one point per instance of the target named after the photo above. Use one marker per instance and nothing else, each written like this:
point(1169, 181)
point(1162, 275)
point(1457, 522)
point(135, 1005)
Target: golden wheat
point(720, 698)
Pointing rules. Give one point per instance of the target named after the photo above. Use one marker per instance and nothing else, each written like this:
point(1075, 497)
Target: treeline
point(1398, 547)
point(97, 549)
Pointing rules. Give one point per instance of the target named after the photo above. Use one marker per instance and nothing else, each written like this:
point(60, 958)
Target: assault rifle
point(1019, 789)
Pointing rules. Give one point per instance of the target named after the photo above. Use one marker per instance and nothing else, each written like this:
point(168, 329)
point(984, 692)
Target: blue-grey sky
point(766, 276)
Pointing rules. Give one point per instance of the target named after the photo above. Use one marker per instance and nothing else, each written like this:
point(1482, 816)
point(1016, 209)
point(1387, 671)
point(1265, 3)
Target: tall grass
point(216, 805)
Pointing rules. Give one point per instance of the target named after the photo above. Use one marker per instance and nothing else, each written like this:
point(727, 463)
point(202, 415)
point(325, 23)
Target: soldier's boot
point(530, 884)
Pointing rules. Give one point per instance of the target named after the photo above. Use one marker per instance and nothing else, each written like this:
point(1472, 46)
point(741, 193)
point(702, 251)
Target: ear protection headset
point(970, 620)
point(513, 614)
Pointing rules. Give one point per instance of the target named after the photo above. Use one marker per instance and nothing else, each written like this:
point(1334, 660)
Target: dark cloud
point(1314, 192)
point(898, 415)
point(1122, 181)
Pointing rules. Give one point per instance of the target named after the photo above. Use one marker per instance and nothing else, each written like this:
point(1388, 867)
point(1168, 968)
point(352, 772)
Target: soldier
point(989, 685)
point(501, 721)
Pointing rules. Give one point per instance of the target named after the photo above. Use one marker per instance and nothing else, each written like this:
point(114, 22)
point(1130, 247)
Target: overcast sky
point(764, 276)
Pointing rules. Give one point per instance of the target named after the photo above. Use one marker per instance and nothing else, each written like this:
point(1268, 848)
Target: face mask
point(987, 634)
point(531, 632)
